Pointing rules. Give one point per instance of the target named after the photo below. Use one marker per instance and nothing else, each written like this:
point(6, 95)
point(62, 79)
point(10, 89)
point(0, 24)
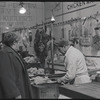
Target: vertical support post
point(62, 21)
point(52, 46)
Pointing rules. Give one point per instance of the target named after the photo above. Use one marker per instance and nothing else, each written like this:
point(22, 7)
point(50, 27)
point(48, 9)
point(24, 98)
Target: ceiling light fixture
point(22, 10)
point(52, 18)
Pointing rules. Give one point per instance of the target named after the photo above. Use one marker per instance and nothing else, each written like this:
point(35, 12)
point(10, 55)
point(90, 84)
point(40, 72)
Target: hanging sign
point(77, 5)
point(73, 6)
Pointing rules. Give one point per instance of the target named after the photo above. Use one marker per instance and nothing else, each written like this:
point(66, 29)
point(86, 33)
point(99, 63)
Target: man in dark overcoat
point(14, 80)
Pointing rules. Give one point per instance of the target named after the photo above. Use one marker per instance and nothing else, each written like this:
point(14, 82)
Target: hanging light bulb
point(22, 10)
point(52, 18)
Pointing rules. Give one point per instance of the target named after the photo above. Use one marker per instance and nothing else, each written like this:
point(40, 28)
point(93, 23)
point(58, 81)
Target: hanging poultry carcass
point(40, 45)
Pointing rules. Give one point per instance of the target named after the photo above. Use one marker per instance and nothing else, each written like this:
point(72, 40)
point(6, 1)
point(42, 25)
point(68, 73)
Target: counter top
point(83, 91)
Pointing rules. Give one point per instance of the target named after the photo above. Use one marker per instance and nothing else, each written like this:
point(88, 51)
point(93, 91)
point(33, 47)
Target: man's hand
point(61, 81)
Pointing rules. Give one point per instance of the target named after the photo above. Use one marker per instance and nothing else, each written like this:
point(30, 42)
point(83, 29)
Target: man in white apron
point(75, 65)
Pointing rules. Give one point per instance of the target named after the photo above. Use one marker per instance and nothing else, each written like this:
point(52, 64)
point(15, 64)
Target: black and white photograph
point(49, 50)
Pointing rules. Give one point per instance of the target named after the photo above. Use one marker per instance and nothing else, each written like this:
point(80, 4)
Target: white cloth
point(75, 67)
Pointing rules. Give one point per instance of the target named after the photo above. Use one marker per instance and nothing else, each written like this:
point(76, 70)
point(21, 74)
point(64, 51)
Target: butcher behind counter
point(75, 66)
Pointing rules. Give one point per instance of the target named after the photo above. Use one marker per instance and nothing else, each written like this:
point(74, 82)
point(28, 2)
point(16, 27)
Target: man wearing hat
point(75, 65)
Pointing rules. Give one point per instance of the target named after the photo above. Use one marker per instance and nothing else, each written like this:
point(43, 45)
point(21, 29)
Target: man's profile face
point(16, 45)
point(62, 50)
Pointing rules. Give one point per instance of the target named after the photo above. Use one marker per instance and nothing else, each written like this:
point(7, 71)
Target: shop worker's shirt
point(75, 67)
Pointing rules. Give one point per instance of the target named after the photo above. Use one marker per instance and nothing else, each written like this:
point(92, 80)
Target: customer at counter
point(75, 65)
point(14, 80)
